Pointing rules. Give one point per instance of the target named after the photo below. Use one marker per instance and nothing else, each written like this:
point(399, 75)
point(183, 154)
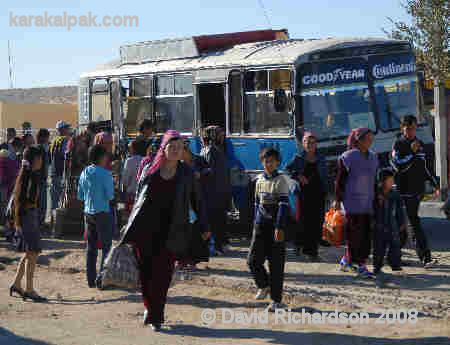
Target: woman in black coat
point(159, 227)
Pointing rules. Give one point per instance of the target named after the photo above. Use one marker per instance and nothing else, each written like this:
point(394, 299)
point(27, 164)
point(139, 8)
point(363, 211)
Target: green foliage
point(429, 33)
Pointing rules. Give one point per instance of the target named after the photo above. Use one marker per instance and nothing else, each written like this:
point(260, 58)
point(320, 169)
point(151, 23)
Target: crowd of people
point(176, 203)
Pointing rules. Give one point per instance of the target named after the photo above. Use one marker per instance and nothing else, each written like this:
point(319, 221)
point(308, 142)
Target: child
point(129, 182)
point(271, 216)
point(26, 221)
point(96, 189)
point(389, 222)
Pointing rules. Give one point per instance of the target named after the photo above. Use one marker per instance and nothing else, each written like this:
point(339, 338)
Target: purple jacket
point(355, 184)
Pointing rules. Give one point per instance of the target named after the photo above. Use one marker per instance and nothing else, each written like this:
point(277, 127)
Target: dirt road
point(82, 316)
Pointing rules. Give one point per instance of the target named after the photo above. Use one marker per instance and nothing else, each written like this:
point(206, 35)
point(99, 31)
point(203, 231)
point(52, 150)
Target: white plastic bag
point(121, 268)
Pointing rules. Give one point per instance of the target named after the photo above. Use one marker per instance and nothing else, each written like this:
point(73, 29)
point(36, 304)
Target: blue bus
point(264, 89)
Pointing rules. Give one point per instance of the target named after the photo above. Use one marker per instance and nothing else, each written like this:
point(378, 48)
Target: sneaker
point(262, 293)
point(363, 272)
point(274, 306)
point(346, 266)
point(430, 263)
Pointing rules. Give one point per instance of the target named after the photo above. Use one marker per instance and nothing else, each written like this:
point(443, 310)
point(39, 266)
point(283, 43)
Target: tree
point(429, 34)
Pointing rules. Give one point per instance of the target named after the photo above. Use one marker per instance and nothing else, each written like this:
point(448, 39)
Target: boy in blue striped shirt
point(268, 240)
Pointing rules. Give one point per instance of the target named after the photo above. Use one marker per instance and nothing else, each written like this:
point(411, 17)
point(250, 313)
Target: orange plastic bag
point(334, 227)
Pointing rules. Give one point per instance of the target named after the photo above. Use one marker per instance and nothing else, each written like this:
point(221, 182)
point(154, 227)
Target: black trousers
point(262, 247)
point(386, 239)
point(412, 209)
point(218, 223)
point(311, 234)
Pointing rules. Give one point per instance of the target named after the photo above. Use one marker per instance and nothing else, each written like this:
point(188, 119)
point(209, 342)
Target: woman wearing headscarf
point(309, 168)
point(218, 192)
point(199, 250)
point(159, 228)
point(355, 189)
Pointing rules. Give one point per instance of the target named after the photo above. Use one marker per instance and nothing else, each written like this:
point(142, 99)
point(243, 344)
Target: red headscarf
point(161, 155)
point(355, 136)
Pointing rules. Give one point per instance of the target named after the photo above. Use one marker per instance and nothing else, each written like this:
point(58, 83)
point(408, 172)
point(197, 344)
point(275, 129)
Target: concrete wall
point(40, 115)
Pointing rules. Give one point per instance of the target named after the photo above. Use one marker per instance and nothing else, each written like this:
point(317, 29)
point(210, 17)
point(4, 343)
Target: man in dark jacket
point(409, 162)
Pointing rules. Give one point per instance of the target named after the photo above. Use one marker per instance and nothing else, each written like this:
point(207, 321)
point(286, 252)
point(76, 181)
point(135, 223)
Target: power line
point(261, 4)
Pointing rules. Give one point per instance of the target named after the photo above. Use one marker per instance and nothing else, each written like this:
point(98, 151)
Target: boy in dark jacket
point(408, 161)
point(389, 220)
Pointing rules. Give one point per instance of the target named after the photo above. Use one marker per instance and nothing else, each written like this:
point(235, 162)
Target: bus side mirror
point(280, 100)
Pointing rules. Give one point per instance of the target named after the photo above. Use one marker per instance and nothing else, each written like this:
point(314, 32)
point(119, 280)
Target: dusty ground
point(82, 316)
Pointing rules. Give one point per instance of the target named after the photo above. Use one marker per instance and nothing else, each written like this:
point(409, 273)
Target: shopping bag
point(121, 268)
point(334, 227)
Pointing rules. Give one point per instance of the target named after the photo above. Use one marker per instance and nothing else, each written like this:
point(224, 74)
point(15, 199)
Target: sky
point(49, 56)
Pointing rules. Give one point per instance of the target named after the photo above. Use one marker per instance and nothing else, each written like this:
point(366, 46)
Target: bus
point(265, 89)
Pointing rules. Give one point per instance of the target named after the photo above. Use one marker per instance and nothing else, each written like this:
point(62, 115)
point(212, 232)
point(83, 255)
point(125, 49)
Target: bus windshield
point(333, 112)
point(395, 98)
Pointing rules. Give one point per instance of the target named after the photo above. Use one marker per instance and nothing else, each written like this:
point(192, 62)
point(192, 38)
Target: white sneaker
point(430, 264)
point(262, 293)
point(274, 306)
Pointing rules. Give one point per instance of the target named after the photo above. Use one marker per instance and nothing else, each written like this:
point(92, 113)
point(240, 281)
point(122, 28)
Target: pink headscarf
point(102, 137)
point(161, 155)
point(307, 135)
point(355, 135)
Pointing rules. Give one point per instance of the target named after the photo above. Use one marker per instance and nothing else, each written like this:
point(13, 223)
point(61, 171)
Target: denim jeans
point(386, 239)
point(43, 202)
point(56, 190)
point(99, 228)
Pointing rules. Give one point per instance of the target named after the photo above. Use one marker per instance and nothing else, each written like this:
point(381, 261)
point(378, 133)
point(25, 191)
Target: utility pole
point(11, 66)
point(441, 139)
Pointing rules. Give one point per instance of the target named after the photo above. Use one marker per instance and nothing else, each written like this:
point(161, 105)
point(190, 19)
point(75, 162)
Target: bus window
point(235, 103)
point(280, 79)
point(260, 115)
point(174, 106)
point(138, 104)
point(396, 98)
point(334, 112)
point(100, 100)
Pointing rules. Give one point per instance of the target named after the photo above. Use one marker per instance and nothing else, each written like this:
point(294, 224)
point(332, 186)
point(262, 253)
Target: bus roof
point(276, 53)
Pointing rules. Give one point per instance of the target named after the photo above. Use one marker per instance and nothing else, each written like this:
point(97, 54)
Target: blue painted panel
point(244, 152)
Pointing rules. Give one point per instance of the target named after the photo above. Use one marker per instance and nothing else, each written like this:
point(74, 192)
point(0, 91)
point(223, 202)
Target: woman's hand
point(336, 205)
point(436, 193)
point(279, 235)
point(206, 235)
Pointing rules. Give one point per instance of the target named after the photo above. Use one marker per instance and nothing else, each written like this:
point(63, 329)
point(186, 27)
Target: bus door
point(254, 123)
